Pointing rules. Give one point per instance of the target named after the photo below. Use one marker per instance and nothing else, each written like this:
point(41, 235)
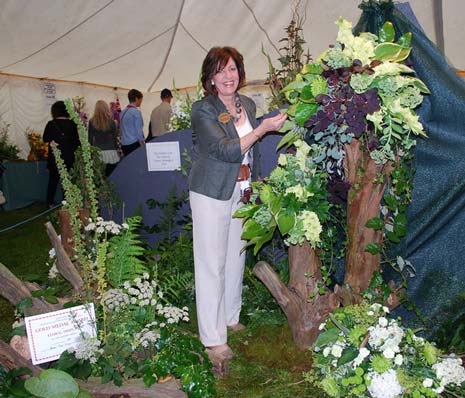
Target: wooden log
point(64, 265)
point(300, 300)
point(11, 359)
point(134, 388)
point(15, 290)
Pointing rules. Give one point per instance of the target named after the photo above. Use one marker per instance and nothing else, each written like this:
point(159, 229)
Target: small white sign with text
point(54, 332)
point(163, 156)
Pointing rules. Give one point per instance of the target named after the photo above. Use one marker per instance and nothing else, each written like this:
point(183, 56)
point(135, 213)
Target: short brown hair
point(134, 94)
point(216, 60)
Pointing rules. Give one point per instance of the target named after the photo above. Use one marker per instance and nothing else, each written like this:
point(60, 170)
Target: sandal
point(222, 350)
point(237, 327)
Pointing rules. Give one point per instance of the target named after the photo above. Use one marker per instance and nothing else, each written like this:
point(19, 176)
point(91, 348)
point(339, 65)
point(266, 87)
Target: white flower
point(52, 253)
point(389, 353)
point(370, 313)
point(386, 309)
point(322, 326)
point(362, 354)
point(428, 383)
point(282, 160)
point(336, 350)
point(450, 371)
point(383, 322)
point(399, 360)
point(384, 385)
point(326, 351)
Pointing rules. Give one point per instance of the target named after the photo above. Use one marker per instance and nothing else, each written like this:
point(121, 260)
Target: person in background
point(63, 131)
point(160, 117)
point(225, 159)
point(103, 135)
point(132, 124)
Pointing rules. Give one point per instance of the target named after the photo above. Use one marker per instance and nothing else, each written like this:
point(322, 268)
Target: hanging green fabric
point(435, 243)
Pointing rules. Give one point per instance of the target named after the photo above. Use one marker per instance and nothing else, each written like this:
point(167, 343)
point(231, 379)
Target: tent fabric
point(148, 44)
point(435, 241)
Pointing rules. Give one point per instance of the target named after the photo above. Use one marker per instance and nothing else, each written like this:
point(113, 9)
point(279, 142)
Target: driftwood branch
point(15, 290)
point(11, 359)
point(133, 388)
point(64, 265)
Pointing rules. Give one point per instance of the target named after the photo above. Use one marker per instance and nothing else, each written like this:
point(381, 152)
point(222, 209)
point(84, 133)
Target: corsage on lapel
point(224, 117)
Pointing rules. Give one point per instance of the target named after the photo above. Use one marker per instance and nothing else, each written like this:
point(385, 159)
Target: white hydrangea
point(450, 371)
point(428, 383)
point(386, 339)
point(399, 360)
point(384, 385)
point(362, 354)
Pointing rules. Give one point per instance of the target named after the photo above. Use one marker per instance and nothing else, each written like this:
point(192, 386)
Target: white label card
point(163, 156)
point(54, 332)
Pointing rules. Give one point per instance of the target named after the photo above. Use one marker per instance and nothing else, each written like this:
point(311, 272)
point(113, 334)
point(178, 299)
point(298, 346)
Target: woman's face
point(227, 79)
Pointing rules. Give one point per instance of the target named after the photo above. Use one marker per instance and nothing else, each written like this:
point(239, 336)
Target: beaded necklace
point(238, 108)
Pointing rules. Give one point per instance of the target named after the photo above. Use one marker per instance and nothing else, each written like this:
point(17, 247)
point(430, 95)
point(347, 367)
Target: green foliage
point(291, 61)
point(12, 382)
point(53, 383)
point(170, 221)
point(124, 252)
point(8, 151)
point(181, 113)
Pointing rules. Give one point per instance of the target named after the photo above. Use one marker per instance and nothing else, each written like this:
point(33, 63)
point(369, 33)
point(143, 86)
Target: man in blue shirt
point(132, 124)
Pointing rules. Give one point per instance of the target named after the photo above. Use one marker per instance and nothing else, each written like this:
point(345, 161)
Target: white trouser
point(219, 264)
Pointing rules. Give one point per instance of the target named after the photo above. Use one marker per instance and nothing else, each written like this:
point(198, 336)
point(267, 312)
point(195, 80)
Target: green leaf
point(246, 211)
point(262, 240)
point(307, 94)
point(50, 299)
point(391, 202)
point(405, 39)
point(373, 248)
point(400, 225)
point(392, 237)
point(376, 280)
point(266, 193)
point(84, 394)
point(327, 337)
point(375, 223)
point(387, 33)
point(23, 304)
point(314, 69)
point(420, 85)
point(276, 203)
point(52, 383)
point(295, 85)
point(391, 52)
point(286, 221)
point(304, 111)
point(319, 86)
point(252, 229)
point(288, 139)
point(349, 354)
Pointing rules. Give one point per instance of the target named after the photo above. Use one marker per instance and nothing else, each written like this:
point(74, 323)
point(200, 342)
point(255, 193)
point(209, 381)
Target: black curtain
point(435, 242)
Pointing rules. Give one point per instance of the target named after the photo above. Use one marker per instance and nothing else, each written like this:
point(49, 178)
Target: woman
point(224, 152)
point(102, 134)
point(62, 130)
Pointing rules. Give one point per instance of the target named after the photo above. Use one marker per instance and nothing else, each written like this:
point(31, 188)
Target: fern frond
point(124, 252)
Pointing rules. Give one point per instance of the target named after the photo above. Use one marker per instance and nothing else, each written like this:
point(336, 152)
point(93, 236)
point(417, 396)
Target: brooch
point(224, 117)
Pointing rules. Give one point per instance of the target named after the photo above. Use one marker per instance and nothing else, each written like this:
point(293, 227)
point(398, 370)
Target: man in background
point(132, 124)
point(160, 118)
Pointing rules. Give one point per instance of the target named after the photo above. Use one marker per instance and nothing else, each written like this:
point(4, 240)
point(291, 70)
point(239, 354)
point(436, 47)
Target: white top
point(242, 130)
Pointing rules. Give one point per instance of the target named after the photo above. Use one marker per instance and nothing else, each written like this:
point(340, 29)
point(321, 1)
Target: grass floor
point(267, 363)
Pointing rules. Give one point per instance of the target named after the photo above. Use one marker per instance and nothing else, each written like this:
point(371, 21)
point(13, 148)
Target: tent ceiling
point(147, 43)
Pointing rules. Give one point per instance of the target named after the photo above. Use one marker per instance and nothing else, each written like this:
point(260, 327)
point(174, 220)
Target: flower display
point(359, 88)
point(181, 109)
point(292, 199)
point(39, 149)
point(362, 353)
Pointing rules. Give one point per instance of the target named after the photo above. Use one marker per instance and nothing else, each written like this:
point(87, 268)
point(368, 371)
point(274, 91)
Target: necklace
point(238, 108)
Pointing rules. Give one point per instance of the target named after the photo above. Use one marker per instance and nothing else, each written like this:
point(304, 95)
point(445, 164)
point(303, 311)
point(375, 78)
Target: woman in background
point(103, 135)
point(63, 131)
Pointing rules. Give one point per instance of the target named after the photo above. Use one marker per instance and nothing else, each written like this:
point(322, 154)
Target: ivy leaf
point(376, 280)
point(400, 225)
point(391, 202)
point(375, 223)
point(387, 33)
point(392, 236)
point(391, 52)
point(373, 248)
point(304, 111)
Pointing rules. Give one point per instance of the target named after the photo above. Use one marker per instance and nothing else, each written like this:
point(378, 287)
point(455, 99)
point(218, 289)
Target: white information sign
point(50, 91)
point(163, 156)
point(52, 333)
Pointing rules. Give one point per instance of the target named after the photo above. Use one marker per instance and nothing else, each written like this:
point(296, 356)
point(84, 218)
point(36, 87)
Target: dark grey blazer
point(216, 155)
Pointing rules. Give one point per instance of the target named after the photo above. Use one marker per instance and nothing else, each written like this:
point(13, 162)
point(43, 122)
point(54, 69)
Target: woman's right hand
point(273, 123)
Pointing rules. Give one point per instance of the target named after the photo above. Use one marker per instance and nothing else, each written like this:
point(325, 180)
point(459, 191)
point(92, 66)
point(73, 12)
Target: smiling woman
point(225, 133)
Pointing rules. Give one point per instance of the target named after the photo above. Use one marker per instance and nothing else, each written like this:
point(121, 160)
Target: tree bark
point(304, 307)
point(368, 181)
point(11, 359)
point(15, 290)
point(64, 264)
